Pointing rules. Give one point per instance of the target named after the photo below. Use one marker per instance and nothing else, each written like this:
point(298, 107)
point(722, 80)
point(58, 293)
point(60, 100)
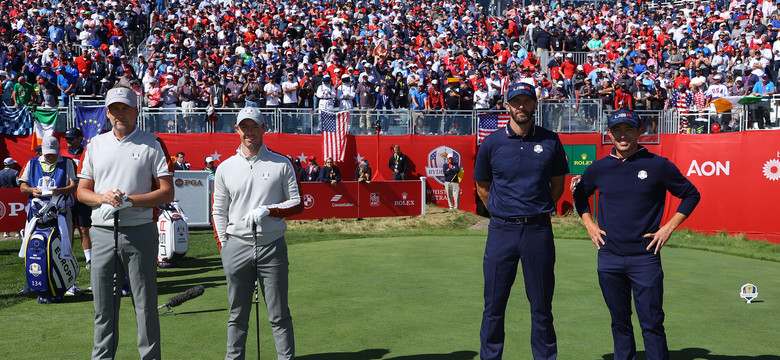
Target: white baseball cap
point(50, 145)
point(9, 161)
point(250, 113)
point(209, 159)
point(449, 156)
point(123, 95)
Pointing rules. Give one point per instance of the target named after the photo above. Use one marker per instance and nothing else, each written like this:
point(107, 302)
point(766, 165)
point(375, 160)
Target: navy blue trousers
point(619, 276)
point(507, 245)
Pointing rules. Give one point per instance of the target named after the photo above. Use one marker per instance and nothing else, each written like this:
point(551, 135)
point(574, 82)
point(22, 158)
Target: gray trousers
point(241, 270)
point(137, 260)
point(452, 189)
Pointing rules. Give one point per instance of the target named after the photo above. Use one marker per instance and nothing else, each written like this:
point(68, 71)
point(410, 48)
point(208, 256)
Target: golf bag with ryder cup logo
point(50, 266)
point(174, 235)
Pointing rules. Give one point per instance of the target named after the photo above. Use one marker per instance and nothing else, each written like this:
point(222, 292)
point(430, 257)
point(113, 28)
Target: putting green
point(420, 298)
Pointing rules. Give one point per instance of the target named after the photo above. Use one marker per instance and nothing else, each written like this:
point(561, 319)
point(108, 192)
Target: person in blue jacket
point(451, 182)
point(330, 173)
point(632, 183)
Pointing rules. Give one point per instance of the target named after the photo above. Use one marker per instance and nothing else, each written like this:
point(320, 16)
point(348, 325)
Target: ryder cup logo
point(748, 292)
point(538, 149)
point(436, 160)
point(2, 210)
point(308, 201)
point(35, 269)
point(642, 175)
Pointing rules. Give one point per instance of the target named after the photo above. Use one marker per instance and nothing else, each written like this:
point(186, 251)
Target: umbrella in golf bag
point(174, 235)
point(50, 266)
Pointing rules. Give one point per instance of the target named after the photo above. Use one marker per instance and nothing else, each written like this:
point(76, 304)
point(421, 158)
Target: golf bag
point(50, 267)
point(174, 235)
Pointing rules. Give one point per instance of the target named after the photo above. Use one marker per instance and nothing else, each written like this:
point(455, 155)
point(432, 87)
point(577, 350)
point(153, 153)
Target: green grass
point(417, 295)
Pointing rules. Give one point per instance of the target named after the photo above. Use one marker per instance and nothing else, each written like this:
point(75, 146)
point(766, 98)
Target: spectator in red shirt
point(567, 70)
point(530, 62)
point(554, 66)
point(435, 96)
point(681, 79)
point(623, 99)
point(83, 62)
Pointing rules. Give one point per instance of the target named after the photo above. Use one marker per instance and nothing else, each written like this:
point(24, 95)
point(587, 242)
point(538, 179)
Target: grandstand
point(690, 67)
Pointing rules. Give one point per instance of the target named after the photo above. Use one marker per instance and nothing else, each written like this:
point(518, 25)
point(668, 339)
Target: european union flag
point(91, 120)
point(15, 121)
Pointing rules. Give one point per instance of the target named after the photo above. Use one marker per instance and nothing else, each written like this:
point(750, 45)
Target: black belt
point(525, 220)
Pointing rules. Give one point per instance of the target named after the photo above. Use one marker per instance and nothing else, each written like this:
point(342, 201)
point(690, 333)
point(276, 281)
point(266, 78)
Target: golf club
point(257, 291)
point(114, 314)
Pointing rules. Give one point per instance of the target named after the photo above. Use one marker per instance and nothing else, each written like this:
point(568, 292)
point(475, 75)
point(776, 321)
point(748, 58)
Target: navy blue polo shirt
point(632, 197)
point(519, 169)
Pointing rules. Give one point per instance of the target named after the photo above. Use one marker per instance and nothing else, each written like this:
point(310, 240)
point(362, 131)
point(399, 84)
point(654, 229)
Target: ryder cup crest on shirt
point(538, 149)
point(642, 174)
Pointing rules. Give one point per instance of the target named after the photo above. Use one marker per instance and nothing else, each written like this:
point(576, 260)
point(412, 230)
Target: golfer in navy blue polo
point(632, 183)
point(520, 173)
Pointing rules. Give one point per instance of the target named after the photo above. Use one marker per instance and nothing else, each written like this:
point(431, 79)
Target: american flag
point(489, 123)
point(335, 127)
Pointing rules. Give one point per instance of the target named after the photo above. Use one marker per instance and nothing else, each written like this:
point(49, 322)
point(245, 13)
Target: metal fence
point(570, 115)
point(564, 116)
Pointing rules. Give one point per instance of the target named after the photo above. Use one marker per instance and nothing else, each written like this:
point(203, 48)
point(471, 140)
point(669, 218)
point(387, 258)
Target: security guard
point(632, 183)
point(520, 173)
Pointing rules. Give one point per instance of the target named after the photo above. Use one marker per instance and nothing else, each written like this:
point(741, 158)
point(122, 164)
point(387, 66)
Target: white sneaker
point(89, 264)
point(74, 291)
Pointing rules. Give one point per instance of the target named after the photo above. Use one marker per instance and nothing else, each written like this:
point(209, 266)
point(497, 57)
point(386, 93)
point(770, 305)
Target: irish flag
point(43, 123)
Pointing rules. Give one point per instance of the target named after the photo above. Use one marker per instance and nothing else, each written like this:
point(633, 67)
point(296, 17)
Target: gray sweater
point(241, 184)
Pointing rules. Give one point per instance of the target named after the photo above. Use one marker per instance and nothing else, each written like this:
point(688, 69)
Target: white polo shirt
point(130, 165)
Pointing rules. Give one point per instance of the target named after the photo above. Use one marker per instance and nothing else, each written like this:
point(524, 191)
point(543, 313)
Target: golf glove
point(255, 216)
point(106, 211)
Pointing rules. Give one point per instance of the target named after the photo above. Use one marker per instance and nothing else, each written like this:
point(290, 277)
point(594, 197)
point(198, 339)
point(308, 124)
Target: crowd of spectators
point(423, 55)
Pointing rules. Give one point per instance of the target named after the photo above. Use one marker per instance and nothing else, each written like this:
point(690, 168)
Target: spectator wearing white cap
point(567, 70)
point(209, 166)
point(326, 94)
point(9, 175)
point(346, 93)
point(46, 177)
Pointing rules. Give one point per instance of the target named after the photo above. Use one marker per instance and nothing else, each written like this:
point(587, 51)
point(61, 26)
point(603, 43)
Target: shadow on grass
point(188, 262)
point(699, 354)
point(173, 287)
point(371, 354)
point(456, 355)
point(162, 311)
point(368, 354)
point(173, 272)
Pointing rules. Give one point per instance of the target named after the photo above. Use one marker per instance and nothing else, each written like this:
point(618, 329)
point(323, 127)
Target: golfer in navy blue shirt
point(520, 173)
point(632, 183)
